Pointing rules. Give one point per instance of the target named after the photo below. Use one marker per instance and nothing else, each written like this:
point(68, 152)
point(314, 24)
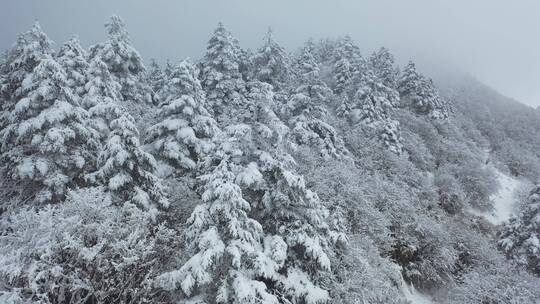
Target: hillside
point(322, 175)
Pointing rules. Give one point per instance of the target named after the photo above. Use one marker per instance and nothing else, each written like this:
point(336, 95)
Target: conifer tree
point(420, 94)
point(19, 63)
point(272, 63)
point(373, 100)
point(156, 76)
point(47, 145)
point(383, 64)
point(126, 66)
point(347, 63)
point(100, 87)
point(308, 76)
point(220, 74)
point(126, 169)
point(520, 237)
point(73, 59)
point(185, 128)
point(260, 236)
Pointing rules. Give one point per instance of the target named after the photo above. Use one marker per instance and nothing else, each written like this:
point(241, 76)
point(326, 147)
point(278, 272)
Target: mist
point(496, 41)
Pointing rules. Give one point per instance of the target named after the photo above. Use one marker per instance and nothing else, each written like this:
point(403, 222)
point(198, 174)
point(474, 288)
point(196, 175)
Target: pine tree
point(308, 76)
point(156, 76)
point(347, 63)
point(220, 75)
point(100, 87)
point(126, 66)
point(383, 64)
point(19, 63)
point(185, 128)
point(420, 94)
point(47, 145)
point(260, 236)
point(391, 136)
point(272, 64)
point(126, 169)
point(373, 100)
point(520, 237)
point(306, 112)
point(73, 59)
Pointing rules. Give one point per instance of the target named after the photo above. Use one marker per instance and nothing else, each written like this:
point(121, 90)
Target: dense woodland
point(321, 175)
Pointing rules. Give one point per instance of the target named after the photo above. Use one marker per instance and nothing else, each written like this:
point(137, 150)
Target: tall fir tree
point(261, 235)
point(126, 169)
point(126, 66)
point(220, 74)
point(73, 59)
point(347, 63)
point(19, 63)
point(47, 144)
point(185, 129)
point(383, 64)
point(420, 95)
point(520, 237)
point(272, 64)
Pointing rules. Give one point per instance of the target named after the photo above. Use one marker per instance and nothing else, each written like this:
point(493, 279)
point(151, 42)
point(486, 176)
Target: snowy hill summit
point(319, 175)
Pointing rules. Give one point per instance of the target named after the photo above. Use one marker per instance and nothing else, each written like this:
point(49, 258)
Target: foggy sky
point(496, 41)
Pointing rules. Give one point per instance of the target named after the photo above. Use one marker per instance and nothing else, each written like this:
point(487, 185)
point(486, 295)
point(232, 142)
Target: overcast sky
point(498, 41)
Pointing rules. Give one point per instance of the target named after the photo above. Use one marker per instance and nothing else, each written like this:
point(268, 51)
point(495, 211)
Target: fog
point(496, 41)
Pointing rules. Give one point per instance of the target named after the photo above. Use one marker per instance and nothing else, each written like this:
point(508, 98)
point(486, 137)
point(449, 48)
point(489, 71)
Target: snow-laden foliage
point(319, 177)
point(85, 250)
point(125, 65)
point(185, 128)
point(156, 76)
point(347, 62)
point(220, 74)
point(100, 86)
point(520, 237)
point(19, 63)
point(73, 59)
point(384, 67)
point(47, 144)
point(420, 94)
point(272, 64)
point(127, 170)
point(261, 234)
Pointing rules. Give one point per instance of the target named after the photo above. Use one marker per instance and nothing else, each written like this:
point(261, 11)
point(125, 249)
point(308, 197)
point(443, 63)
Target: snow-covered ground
point(414, 296)
point(504, 201)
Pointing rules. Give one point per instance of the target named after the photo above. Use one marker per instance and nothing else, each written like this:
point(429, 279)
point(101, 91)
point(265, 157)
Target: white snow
point(504, 201)
point(414, 296)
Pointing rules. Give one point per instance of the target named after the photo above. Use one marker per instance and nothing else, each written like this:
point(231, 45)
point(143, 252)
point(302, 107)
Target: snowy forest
point(309, 176)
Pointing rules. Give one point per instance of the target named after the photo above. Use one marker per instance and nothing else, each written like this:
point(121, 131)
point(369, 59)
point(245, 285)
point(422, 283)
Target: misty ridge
point(307, 176)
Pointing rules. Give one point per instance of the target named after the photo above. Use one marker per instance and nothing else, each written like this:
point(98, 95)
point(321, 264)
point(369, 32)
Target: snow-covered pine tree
point(73, 59)
point(373, 100)
point(347, 63)
point(156, 76)
point(20, 61)
point(305, 112)
point(100, 87)
point(185, 129)
point(220, 75)
point(419, 93)
point(126, 169)
point(390, 135)
point(126, 66)
point(520, 237)
point(260, 236)
point(102, 98)
point(372, 106)
point(383, 64)
point(308, 76)
point(272, 64)
point(47, 145)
